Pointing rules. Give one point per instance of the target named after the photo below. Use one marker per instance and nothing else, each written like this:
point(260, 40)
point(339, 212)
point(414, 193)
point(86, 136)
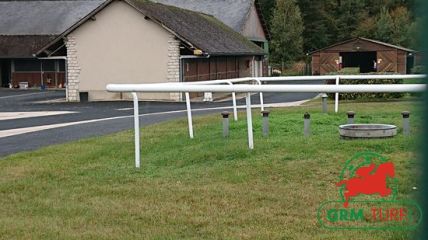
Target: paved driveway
point(32, 119)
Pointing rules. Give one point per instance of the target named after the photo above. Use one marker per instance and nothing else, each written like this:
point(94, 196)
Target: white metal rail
point(248, 89)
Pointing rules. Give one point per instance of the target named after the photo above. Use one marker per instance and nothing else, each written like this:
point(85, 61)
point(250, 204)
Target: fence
point(248, 89)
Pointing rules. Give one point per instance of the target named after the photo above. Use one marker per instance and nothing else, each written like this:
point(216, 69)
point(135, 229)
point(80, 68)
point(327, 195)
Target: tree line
point(301, 26)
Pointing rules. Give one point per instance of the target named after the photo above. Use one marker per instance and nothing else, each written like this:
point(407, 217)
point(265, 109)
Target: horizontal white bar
point(179, 87)
point(311, 78)
point(351, 77)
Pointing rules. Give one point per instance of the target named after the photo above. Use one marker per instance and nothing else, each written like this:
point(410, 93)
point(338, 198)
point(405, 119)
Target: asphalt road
point(116, 116)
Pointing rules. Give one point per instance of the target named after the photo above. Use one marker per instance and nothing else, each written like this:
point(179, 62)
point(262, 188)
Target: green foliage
point(384, 27)
point(267, 7)
point(319, 25)
point(287, 28)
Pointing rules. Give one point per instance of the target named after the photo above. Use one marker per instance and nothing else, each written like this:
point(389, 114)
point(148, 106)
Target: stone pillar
point(174, 65)
point(73, 70)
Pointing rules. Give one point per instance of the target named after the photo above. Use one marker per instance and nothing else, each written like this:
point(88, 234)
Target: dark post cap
point(306, 116)
point(265, 113)
point(225, 114)
point(350, 114)
point(406, 114)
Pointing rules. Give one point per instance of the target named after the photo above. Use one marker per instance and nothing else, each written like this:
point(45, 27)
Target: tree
point(267, 7)
point(287, 29)
point(402, 28)
point(319, 25)
point(384, 27)
point(348, 14)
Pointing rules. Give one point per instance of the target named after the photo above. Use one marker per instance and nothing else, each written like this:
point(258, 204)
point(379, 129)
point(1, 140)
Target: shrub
point(418, 69)
point(354, 96)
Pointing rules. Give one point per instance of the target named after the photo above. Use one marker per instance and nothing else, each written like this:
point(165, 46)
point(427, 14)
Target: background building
point(365, 54)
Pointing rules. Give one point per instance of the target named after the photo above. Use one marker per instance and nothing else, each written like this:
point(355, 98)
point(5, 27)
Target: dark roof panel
point(22, 46)
point(42, 17)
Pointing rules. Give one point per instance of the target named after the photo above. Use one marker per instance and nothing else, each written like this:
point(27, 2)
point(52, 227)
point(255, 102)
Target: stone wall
point(174, 65)
point(73, 71)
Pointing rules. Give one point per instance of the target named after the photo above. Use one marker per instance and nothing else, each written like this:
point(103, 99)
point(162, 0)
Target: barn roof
point(368, 40)
point(200, 30)
point(30, 17)
point(233, 13)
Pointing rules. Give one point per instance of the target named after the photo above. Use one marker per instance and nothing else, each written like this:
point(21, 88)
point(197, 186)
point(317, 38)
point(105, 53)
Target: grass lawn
point(205, 188)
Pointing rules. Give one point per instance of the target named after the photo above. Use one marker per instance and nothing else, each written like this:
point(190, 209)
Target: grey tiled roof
point(42, 17)
point(203, 31)
point(231, 12)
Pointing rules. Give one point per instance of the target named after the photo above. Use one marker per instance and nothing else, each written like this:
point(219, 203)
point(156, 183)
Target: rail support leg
point(189, 115)
point(249, 122)
point(136, 130)
point(235, 109)
point(336, 97)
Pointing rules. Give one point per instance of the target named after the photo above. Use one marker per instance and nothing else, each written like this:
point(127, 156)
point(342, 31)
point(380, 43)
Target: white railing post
point(336, 96)
point(262, 107)
point(249, 122)
point(235, 108)
point(136, 130)
point(189, 115)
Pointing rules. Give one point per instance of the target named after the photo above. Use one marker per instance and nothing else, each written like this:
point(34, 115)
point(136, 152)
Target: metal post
point(307, 124)
point(336, 96)
point(189, 115)
point(406, 123)
point(249, 122)
point(351, 117)
point(265, 123)
point(136, 130)
point(225, 115)
point(324, 103)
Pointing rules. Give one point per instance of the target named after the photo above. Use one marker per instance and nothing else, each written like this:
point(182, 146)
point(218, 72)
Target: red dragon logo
point(368, 180)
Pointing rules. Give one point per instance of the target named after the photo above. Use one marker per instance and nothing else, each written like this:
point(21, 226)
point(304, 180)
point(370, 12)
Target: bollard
point(307, 124)
point(406, 123)
point(225, 123)
point(265, 114)
point(324, 103)
point(351, 116)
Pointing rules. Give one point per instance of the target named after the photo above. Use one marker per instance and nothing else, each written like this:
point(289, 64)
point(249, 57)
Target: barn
point(365, 54)
point(128, 41)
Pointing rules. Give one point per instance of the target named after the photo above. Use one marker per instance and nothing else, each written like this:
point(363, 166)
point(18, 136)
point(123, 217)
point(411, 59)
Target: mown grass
point(205, 188)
